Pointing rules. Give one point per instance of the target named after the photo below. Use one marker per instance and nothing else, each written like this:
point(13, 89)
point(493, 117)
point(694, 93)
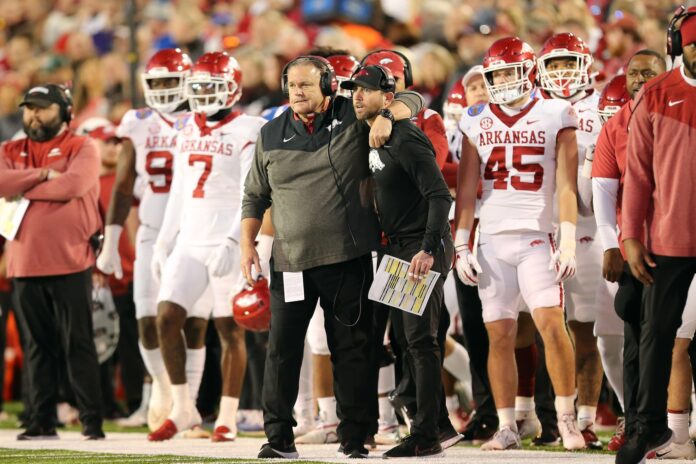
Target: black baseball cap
point(43, 95)
point(368, 77)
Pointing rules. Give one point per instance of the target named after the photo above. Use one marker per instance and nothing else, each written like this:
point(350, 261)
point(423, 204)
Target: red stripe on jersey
point(511, 120)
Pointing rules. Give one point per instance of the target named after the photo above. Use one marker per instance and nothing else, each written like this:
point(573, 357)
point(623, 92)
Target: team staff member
point(413, 203)
point(312, 164)
point(51, 257)
point(659, 178)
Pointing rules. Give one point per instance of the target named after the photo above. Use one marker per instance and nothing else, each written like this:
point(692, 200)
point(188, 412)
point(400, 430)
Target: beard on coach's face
point(42, 131)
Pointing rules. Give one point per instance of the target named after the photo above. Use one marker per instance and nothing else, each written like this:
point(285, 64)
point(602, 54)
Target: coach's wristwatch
point(386, 112)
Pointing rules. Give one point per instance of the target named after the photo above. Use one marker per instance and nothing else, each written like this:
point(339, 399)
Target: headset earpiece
point(387, 83)
point(327, 81)
point(674, 37)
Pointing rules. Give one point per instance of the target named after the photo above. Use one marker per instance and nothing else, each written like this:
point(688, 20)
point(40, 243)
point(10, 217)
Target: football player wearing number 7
point(147, 154)
point(198, 243)
point(523, 150)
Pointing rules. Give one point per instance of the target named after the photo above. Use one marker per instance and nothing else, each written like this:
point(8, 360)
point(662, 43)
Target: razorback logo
point(536, 242)
point(586, 239)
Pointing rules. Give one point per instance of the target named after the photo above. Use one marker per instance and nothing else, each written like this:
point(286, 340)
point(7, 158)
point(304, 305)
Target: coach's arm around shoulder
point(405, 105)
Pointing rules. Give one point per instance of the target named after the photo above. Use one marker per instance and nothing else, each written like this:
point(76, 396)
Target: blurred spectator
point(88, 92)
point(623, 40)
point(440, 66)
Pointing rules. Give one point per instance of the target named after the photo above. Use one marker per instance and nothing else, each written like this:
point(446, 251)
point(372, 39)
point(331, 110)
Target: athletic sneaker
point(387, 434)
point(352, 451)
point(223, 433)
point(269, 451)
point(675, 450)
point(137, 419)
point(414, 446)
point(640, 445)
point(504, 439)
point(480, 429)
point(160, 404)
point(591, 439)
point(619, 437)
point(36, 432)
point(449, 437)
point(570, 435)
point(322, 434)
point(530, 426)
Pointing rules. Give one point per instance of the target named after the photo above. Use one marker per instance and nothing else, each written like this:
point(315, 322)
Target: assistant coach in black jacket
point(413, 203)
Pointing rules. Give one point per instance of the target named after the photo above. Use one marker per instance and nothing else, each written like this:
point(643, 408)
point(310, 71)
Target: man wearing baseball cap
point(412, 202)
point(51, 257)
point(660, 170)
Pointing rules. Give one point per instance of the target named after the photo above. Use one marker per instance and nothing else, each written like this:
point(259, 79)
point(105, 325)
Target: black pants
point(627, 304)
point(127, 351)
point(476, 343)
point(56, 315)
point(422, 343)
point(661, 316)
point(253, 378)
point(5, 305)
point(342, 291)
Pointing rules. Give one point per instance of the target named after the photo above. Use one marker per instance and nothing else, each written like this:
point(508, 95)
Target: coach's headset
point(327, 81)
point(408, 73)
point(387, 82)
point(674, 37)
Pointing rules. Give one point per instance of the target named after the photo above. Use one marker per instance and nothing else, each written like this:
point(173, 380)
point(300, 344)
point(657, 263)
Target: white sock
point(387, 416)
point(565, 405)
point(524, 405)
point(181, 406)
point(457, 364)
point(227, 415)
point(679, 424)
point(611, 352)
point(452, 403)
point(195, 362)
point(145, 398)
point(506, 416)
point(327, 410)
point(586, 416)
point(154, 363)
point(387, 380)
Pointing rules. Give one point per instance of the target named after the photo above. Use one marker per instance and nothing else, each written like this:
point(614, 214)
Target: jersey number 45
point(497, 171)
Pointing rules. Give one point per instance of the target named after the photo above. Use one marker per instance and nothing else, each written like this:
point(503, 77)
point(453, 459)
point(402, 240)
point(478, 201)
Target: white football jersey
point(518, 162)
point(589, 126)
point(209, 177)
point(454, 139)
point(154, 139)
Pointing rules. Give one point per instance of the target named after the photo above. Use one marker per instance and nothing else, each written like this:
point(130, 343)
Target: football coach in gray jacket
point(311, 164)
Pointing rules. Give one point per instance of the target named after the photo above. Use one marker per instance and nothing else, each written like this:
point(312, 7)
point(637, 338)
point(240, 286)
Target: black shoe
point(269, 451)
point(93, 432)
point(639, 445)
point(352, 451)
point(549, 437)
point(449, 437)
point(414, 446)
point(37, 432)
point(480, 429)
point(370, 442)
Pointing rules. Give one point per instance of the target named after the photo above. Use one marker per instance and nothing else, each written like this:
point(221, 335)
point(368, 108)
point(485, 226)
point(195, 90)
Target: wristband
point(386, 113)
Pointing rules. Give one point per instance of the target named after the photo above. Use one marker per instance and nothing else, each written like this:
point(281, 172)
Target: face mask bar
point(164, 100)
point(209, 94)
point(508, 92)
point(564, 82)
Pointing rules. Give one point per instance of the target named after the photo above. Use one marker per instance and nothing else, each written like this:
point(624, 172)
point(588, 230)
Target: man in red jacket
point(51, 257)
point(658, 187)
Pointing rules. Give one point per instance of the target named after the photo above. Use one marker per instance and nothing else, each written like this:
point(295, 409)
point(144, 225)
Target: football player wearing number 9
point(524, 151)
point(147, 153)
point(199, 237)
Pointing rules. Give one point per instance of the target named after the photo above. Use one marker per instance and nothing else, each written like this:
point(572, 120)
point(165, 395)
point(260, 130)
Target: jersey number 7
point(207, 161)
point(496, 169)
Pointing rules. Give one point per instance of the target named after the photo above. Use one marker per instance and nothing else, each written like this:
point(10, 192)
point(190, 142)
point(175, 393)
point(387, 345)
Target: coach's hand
point(637, 257)
point(613, 265)
point(222, 260)
point(249, 256)
point(380, 131)
point(420, 266)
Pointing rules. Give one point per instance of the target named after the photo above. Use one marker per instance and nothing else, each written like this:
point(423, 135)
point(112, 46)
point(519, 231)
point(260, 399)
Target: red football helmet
point(613, 97)
point(510, 53)
point(251, 307)
point(215, 83)
point(393, 61)
point(564, 82)
point(344, 66)
point(166, 64)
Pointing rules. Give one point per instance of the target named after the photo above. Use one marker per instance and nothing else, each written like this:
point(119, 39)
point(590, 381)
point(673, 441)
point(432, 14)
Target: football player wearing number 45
point(147, 153)
point(198, 243)
point(528, 151)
